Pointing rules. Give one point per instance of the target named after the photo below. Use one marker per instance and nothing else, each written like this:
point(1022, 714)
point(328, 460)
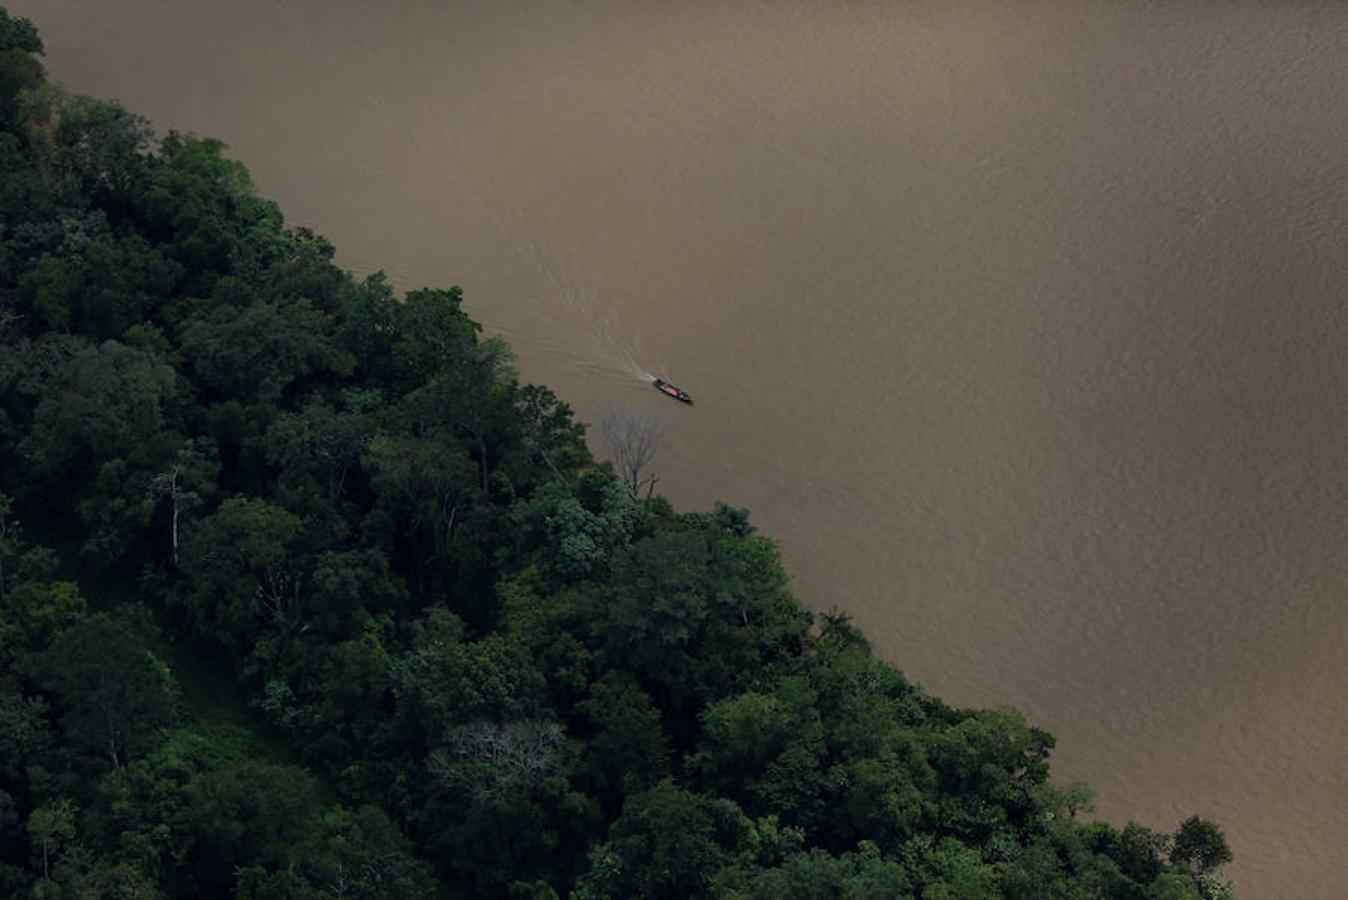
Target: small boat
point(677, 393)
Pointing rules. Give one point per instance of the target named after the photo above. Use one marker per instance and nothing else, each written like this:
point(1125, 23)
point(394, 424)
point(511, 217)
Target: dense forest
point(304, 594)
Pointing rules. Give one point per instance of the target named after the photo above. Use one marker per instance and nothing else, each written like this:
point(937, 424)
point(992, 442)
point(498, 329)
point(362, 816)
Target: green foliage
point(426, 646)
point(696, 614)
point(51, 289)
point(18, 34)
point(200, 207)
point(572, 529)
point(113, 692)
point(1200, 846)
point(35, 607)
point(320, 444)
point(1138, 851)
point(863, 875)
point(249, 815)
point(122, 283)
point(50, 826)
point(103, 403)
point(241, 566)
point(628, 751)
point(423, 484)
point(990, 764)
point(664, 845)
point(764, 750)
point(1173, 886)
point(432, 334)
point(93, 149)
point(548, 433)
point(450, 682)
point(258, 352)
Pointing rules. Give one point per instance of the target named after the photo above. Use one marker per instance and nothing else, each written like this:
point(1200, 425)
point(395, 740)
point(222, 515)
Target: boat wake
point(608, 352)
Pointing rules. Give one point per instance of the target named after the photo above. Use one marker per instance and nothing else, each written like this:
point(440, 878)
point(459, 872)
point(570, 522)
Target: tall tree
point(50, 826)
point(180, 485)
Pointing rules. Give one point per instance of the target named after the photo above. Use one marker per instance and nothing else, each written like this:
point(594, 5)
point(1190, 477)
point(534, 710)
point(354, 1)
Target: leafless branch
point(488, 758)
point(631, 438)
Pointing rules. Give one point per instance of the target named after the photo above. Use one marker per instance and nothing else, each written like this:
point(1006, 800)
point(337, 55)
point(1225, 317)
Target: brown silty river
point(1022, 325)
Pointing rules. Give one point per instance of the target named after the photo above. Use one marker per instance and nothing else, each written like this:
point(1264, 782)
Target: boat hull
point(672, 391)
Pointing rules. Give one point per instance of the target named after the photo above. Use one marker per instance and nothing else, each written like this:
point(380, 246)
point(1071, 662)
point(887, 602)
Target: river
point(1020, 325)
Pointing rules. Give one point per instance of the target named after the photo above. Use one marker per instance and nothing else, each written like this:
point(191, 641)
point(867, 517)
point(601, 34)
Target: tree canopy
point(304, 594)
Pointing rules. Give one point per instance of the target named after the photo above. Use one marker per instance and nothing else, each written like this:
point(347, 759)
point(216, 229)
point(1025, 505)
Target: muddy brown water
point(1021, 325)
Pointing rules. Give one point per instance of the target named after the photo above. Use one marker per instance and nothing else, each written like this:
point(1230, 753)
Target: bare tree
point(632, 438)
point(170, 484)
point(488, 758)
point(191, 463)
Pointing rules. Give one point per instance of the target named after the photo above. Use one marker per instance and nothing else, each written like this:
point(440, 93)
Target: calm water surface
point(1022, 325)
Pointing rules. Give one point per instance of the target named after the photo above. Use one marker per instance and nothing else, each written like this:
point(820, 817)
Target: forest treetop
point(304, 594)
